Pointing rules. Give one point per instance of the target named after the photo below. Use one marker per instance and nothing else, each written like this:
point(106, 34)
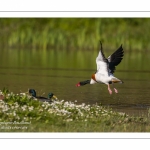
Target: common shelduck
point(105, 69)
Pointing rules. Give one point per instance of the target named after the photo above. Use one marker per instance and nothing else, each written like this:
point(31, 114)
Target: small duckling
point(43, 99)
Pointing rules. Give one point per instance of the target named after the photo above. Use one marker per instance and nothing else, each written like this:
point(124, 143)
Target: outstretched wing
point(102, 62)
point(115, 59)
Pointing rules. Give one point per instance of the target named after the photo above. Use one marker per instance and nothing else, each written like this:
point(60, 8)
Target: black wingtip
point(121, 47)
point(100, 45)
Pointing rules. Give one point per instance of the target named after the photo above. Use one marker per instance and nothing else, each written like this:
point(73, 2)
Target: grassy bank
point(21, 113)
point(75, 33)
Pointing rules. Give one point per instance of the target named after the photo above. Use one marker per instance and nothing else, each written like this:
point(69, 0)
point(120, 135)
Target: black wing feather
point(115, 59)
point(101, 49)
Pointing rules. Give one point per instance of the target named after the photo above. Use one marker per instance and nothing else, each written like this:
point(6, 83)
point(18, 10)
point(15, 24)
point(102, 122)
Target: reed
point(75, 33)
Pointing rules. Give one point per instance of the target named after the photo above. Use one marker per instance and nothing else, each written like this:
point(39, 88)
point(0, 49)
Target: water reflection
point(59, 71)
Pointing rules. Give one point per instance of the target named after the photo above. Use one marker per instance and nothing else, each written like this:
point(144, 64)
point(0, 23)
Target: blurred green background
point(75, 33)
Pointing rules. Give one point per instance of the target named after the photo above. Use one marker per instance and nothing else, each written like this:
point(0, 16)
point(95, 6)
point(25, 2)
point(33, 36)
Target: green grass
point(75, 33)
point(21, 113)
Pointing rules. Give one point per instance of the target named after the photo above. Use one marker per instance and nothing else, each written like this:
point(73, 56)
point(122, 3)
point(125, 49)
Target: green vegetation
point(21, 113)
point(75, 33)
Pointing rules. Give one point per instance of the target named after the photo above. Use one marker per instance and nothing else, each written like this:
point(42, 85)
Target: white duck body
point(102, 78)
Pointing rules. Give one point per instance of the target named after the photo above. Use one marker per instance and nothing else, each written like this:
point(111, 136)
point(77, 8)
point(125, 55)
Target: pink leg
point(116, 91)
point(110, 91)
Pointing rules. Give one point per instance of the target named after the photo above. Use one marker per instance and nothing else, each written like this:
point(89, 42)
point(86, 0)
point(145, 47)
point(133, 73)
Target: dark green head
point(50, 95)
point(32, 92)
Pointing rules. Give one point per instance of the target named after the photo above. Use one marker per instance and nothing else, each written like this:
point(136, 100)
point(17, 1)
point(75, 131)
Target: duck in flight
point(105, 69)
point(51, 96)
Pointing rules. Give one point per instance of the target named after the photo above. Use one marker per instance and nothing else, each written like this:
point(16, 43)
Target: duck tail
point(116, 80)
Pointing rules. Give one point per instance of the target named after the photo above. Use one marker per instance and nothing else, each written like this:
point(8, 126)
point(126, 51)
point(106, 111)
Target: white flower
point(30, 108)
point(24, 107)
point(40, 110)
point(23, 94)
point(12, 107)
point(68, 120)
point(14, 113)
point(18, 117)
point(5, 108)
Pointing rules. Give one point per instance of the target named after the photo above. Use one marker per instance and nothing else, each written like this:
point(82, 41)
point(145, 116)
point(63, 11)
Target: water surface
point(58, 71)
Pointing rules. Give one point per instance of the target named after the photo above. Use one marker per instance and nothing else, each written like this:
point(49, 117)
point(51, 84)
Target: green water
point(58, 71)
